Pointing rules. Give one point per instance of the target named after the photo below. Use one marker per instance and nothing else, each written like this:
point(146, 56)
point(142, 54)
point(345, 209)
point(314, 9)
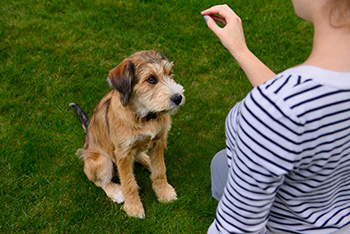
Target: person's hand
point(231, 35)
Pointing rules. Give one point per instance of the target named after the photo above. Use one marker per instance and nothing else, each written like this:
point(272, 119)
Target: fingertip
point(204, 12)
point(205, 18)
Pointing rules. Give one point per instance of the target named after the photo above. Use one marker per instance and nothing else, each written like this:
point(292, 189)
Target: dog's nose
point(176, 98)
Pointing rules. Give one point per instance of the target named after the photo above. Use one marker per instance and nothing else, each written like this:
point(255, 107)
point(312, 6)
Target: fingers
point(231, 35)
point(211, 24)
point(219, 13)
point(212, 10)
point(223, 10)
point(219, 19)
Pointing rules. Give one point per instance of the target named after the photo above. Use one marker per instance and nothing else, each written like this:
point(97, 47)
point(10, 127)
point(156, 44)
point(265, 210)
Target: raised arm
point(232, 37)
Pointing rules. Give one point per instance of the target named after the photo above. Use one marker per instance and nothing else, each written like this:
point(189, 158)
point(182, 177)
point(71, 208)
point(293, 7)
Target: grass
point(54, 52)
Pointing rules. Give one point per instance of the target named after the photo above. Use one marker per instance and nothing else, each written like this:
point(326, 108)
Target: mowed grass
point(57, 52)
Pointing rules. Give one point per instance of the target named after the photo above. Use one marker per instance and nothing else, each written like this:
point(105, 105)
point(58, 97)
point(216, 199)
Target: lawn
point(54, 52)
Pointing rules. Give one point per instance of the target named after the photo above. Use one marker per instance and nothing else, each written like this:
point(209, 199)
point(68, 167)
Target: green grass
point(56, 52)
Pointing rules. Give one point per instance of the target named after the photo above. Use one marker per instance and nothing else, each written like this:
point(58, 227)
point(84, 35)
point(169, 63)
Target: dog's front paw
point(134, 209)
point(166, 193)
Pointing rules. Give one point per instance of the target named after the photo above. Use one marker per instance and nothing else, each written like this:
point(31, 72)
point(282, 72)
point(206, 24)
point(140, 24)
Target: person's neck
point(331, 48)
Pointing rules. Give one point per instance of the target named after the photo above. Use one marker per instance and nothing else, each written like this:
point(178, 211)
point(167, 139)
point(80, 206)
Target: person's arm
point(232, 37)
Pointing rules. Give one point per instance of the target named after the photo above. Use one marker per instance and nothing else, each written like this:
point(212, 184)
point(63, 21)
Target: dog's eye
point(152, 80)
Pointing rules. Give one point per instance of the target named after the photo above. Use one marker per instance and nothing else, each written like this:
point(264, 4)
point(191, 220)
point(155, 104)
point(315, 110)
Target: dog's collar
point(150, 116)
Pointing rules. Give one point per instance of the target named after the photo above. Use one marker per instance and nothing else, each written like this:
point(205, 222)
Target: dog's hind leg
point(144, 160)
point(114, 192)
point(99, 169)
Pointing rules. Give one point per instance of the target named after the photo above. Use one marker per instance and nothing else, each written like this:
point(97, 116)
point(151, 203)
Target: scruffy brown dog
point(131, 123)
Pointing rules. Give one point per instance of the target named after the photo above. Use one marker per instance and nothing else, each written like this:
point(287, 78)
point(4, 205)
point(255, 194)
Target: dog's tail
point(82, 116)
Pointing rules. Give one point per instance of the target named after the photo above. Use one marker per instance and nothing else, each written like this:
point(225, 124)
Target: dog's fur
point(133, 119)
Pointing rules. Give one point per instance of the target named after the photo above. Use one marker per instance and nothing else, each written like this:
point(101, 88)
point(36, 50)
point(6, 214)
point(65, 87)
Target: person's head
point(336, 11)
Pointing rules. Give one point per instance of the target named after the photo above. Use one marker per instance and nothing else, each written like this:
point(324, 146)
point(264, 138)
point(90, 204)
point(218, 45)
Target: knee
point(98, 168)
point(219, 161)
point(219, 170)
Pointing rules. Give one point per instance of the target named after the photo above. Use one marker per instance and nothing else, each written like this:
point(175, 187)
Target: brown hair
point(339, 13)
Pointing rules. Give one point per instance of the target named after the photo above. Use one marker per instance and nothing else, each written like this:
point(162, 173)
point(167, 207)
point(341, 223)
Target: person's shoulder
point(289, 81)
point(275, 96)
point(305, 77)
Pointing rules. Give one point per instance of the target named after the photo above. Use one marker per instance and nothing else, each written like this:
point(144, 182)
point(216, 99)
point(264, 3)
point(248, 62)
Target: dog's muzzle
point(177, 99)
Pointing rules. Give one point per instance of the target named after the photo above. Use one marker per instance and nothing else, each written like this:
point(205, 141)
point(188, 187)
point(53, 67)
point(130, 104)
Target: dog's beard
point(157, 100)
point(173, 111)
point(143, 110)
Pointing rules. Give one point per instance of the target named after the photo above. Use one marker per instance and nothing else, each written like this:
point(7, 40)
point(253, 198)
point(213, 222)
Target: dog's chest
point(144, 139)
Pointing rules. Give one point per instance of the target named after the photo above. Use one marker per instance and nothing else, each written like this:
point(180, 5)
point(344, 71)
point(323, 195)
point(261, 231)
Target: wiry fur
point(131, 123)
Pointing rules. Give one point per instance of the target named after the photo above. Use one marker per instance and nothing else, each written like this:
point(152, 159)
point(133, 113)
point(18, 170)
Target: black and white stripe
point(288, 149)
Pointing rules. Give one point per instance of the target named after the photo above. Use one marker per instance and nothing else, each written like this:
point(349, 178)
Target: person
point(286, 166)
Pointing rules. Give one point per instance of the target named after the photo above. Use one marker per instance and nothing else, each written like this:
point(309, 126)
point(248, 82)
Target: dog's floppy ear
point(122, 78)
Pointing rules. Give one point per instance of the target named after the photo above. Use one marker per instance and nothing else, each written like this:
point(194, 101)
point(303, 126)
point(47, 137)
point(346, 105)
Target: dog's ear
point(122, 78)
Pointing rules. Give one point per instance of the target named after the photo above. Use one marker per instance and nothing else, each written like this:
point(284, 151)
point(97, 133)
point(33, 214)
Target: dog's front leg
point(164, 191)
point(132, 204)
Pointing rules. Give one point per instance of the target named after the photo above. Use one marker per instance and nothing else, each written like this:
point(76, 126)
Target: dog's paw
point(114, 192)
point(166, 193)
point(118, 198)
point(134, 209)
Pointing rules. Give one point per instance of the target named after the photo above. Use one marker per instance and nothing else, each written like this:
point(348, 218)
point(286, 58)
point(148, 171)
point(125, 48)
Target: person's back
point(306, 136)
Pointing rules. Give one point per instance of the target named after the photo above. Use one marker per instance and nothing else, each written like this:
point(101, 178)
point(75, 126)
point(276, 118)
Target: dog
point(130, 124)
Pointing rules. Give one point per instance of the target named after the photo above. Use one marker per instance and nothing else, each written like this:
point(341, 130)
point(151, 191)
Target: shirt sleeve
point(260, 138)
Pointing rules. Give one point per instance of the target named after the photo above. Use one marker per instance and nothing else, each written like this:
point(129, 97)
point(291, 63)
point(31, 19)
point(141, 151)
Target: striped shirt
point(288, 150)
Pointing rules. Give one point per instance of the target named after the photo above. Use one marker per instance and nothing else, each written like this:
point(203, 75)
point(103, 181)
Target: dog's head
point(145, 81)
